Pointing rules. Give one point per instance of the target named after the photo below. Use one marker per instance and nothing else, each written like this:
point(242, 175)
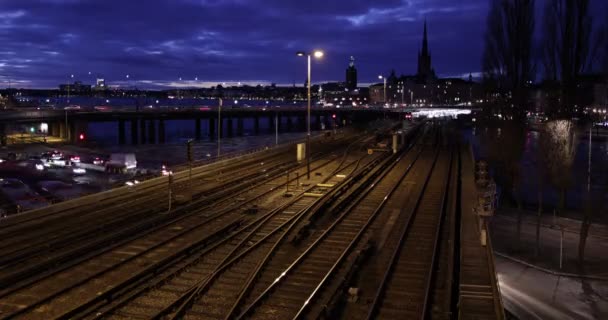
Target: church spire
point(425, 43)
point(425, 69)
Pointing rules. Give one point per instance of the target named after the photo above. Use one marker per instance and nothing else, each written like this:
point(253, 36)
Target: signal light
point(333, 116)
point(81, 136)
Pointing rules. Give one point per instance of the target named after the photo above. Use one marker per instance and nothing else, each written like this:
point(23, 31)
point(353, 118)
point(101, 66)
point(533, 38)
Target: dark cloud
point(158, 41)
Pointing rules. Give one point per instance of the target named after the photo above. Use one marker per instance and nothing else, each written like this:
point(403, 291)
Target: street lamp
point(219, 127)
point(71, 79)
point(317, 54)
point(196, 87)
point(179, 84)
point(128, 83)
point(383, 78)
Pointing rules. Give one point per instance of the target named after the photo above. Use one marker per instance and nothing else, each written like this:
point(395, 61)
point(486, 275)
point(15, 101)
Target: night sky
point(156, 42)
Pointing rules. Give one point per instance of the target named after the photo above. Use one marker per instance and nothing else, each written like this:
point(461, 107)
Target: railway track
point(55, 248)
point(144, 301)
point(34, 221)
point(109, 217)
point(216, 296)
point(406, 286)
point(113, 265)
point(59, 250)
point(16, 224)
point(287, 292)
point(166, 233)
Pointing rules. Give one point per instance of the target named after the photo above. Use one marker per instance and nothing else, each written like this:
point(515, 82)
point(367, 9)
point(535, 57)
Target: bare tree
point(504, 146)
point(507, 56)
point(542, 162)
point(561, 150)
point(602, 40)
point(567, 47)
point(591, 204)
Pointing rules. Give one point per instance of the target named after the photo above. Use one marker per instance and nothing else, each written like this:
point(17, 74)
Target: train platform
point(479, 292)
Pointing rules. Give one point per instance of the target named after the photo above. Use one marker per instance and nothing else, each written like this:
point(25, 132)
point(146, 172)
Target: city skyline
point(209, 42)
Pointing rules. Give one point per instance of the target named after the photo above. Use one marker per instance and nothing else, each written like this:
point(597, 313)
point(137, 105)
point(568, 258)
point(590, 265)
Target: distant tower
point(351, 75)
point(425, 69)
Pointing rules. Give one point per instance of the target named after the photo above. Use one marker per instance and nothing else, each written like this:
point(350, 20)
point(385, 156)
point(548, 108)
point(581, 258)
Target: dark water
point(527, 190)
point(106, 133)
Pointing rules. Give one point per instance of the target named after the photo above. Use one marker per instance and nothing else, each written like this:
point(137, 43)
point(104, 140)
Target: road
point(529, 293)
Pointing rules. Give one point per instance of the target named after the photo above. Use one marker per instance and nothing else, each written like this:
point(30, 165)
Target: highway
point(253, 238)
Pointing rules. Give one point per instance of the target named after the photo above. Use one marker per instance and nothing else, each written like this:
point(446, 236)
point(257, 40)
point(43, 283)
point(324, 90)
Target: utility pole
point(219, 128)
point(189, 156)
point(170, 187)
point(308, 127)
point(71, 78)
point(66, 125)
point(316, 54)
point(384, 90)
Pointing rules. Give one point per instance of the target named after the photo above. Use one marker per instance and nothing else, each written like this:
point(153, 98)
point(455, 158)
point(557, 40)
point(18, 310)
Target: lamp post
point(71, 79)
point(317, 54)
point(196, 86)
point(219, 127)
point(179, 84)
point(381, 77)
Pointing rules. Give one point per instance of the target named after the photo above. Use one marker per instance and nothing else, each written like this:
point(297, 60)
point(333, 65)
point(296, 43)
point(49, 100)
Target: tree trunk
point(583, 240)
point(562, 201)
point(538, 220)
point(584, 231)
point(519, 217)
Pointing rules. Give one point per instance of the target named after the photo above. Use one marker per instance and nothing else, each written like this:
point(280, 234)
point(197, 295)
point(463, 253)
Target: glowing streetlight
point(317, 54)
point(383, 78)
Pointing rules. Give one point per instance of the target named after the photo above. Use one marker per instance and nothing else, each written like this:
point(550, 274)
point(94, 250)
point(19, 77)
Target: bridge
point(383, 228)
point(148, 125)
